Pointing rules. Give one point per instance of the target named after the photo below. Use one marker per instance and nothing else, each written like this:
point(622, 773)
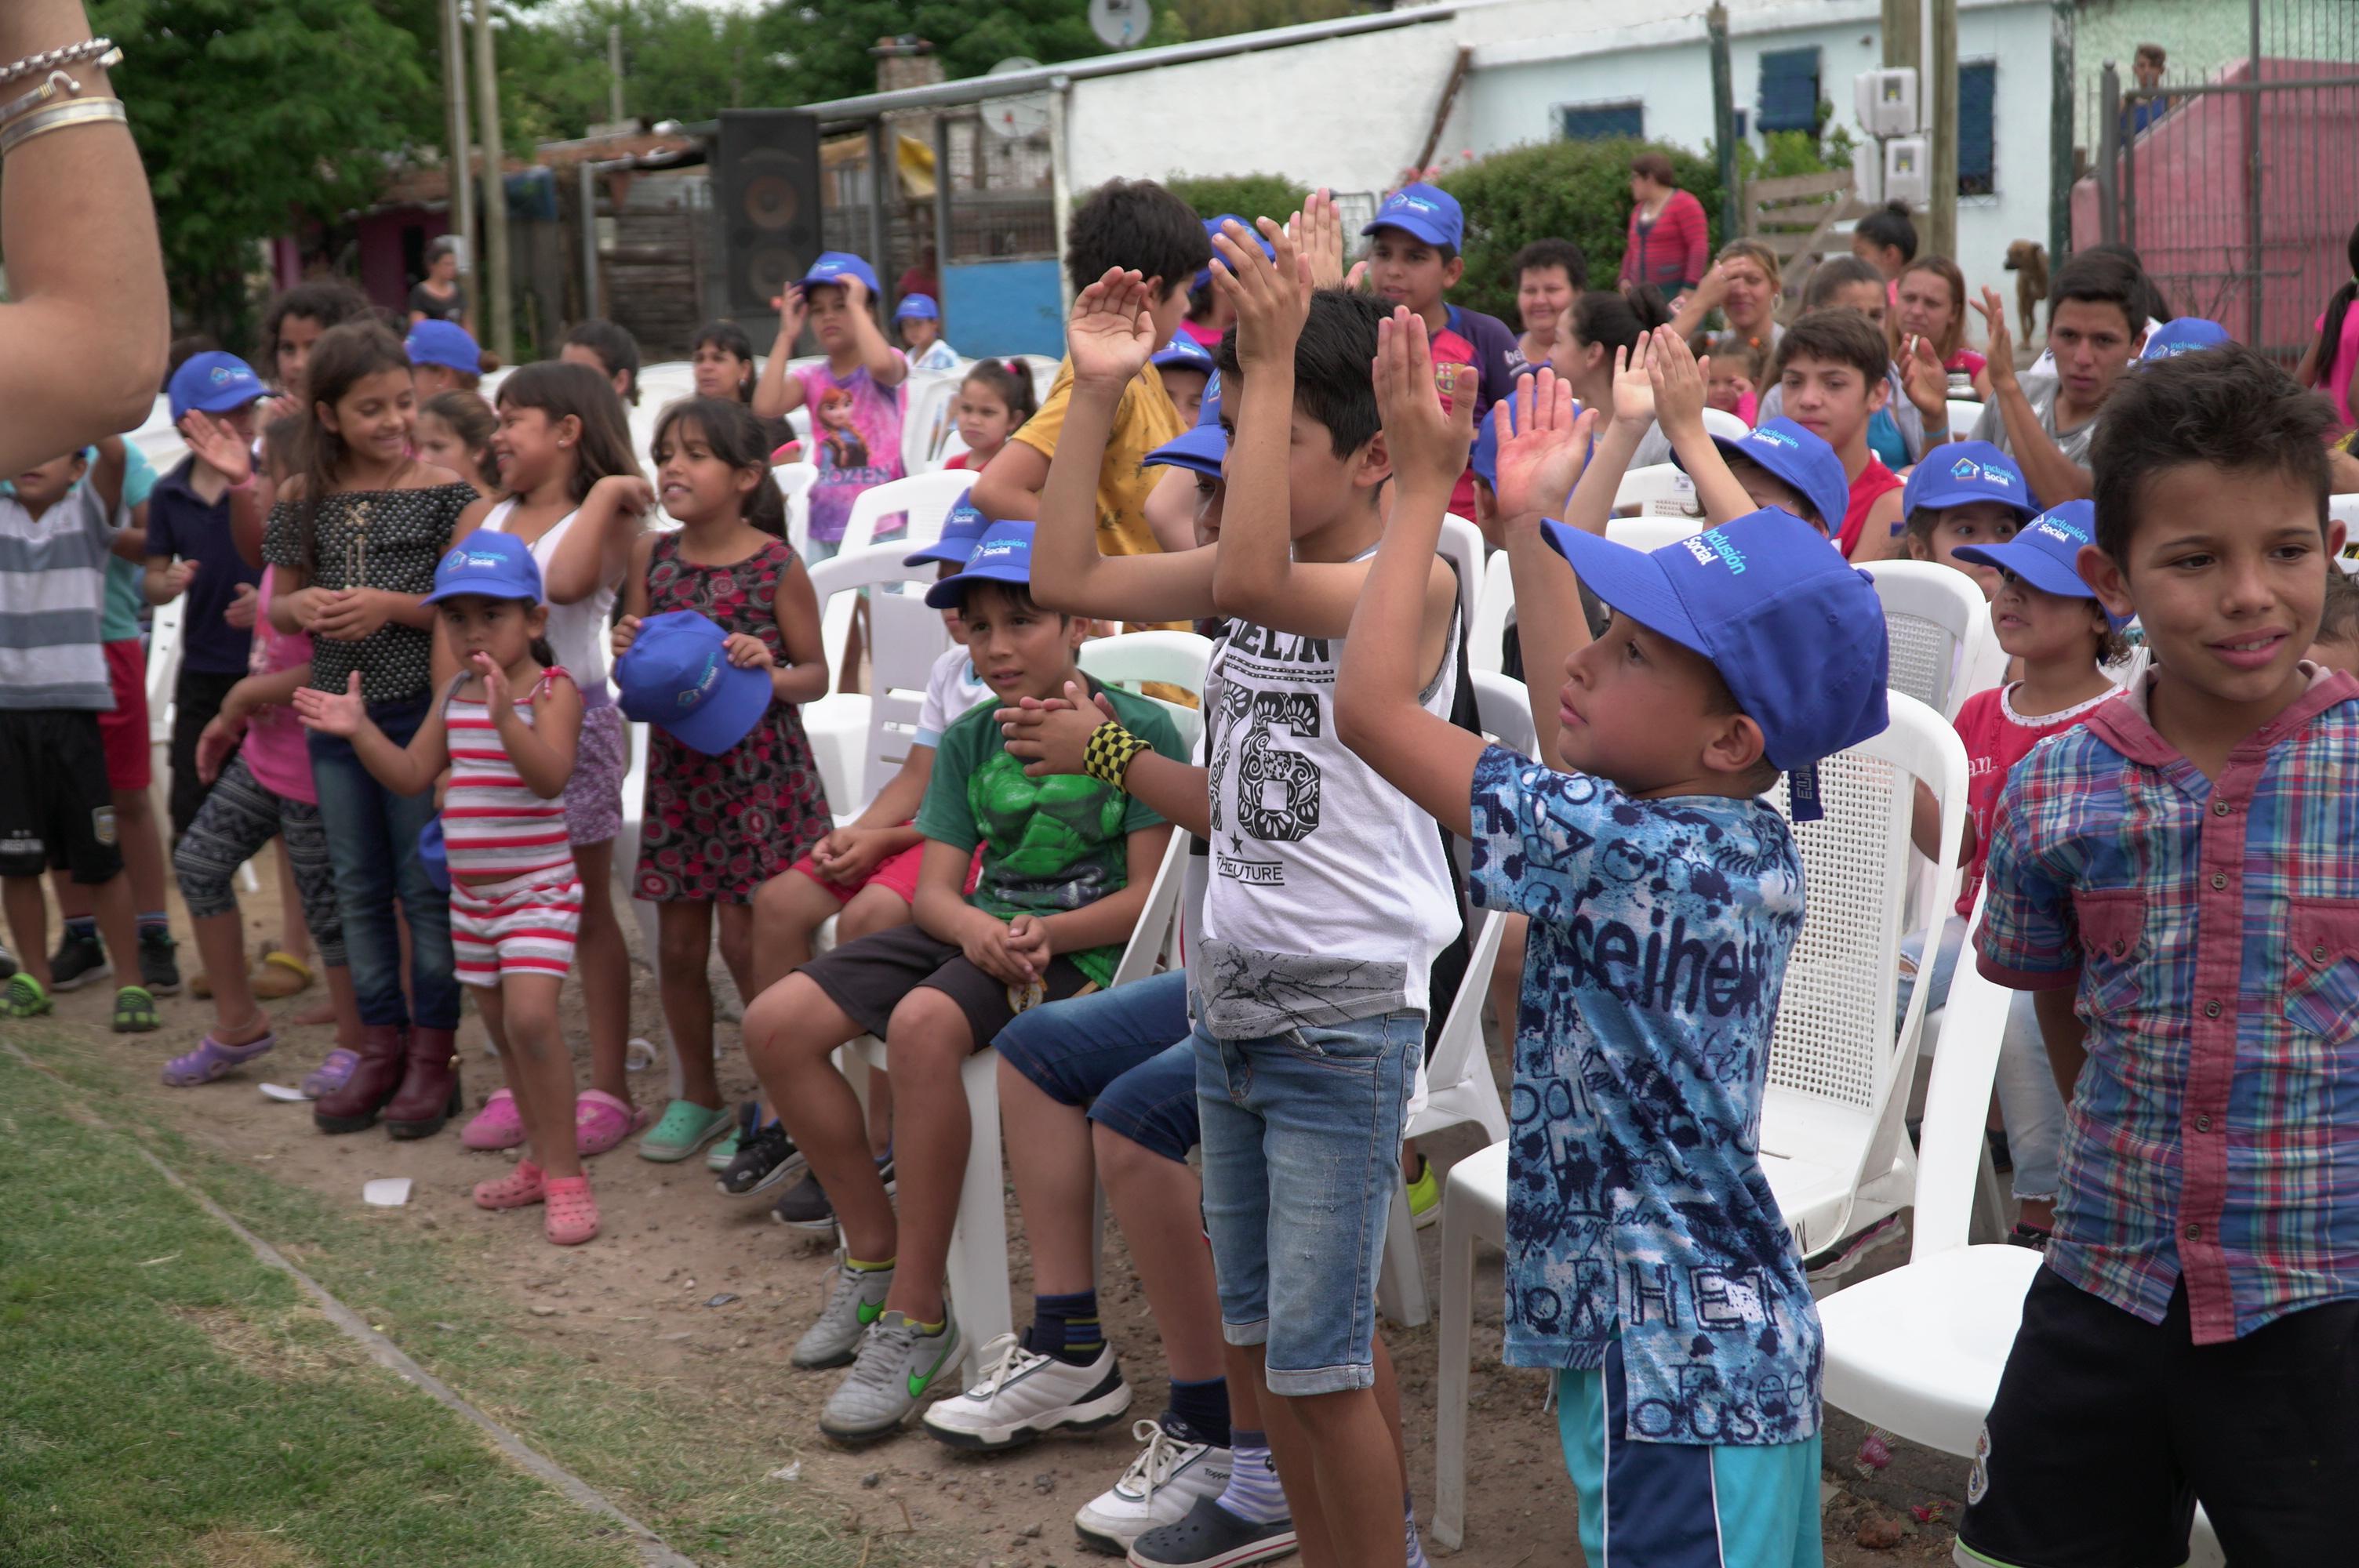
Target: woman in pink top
point(2333, 360)
point(261, 790)
point(1669, 244)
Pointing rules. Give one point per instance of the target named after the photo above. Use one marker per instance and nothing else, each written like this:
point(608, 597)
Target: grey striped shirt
point(53, 577)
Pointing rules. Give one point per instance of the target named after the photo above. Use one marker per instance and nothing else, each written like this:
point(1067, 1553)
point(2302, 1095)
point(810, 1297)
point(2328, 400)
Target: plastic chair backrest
point(1154, 941)
point(926, 419)
point(1937, 624)
point(907, 639)
point(1486, 638)
point(164, 629)
point(1957, 1101)
point(1834, 1037)
point(1656, 489)
point(1459, 1084)
point(1462, 545)
point(1721, 423)
point(877, 567)
point(1132, 659)
point(795, 481)
point(1505, 710)
point(2344, 509)
point(1964, 415)
point(1651, 533)
point(925, 498)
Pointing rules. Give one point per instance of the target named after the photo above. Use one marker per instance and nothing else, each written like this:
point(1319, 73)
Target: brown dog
point(2029, 261)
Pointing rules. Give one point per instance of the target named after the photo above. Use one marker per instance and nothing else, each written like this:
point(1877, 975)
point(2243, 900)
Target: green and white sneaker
point(899, 1368)
point(856, 1298)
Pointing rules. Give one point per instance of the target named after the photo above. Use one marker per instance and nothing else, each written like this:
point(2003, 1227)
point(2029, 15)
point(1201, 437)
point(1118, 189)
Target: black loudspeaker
point(765, 190)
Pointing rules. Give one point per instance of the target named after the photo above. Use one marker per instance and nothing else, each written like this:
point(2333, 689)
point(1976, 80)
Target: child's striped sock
point(1253, 1494)
point(154, 920)
point(1203, 1408)
point(1066, 1327)
point(1408, 1522)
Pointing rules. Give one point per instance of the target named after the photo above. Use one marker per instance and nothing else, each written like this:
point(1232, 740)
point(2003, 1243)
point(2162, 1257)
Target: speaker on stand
point(766, 191)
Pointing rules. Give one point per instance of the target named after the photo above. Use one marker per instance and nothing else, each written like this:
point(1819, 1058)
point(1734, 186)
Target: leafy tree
point(1218, 19)
point(1249, 196)
point(680, 62)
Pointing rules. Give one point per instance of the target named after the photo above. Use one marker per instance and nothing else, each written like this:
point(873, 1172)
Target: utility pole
point(461, 162)
point(1942, 126)
point(615, 72)
point(496, 191)
point(1723, 124)
point(1901, 37)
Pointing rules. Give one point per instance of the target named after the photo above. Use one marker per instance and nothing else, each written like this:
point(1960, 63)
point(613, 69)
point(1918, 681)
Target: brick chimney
point(905, 62)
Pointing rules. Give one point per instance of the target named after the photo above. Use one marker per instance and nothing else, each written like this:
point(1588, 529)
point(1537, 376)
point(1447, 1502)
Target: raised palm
point(216, 445)
point(1110, 335)
point(1542, 461)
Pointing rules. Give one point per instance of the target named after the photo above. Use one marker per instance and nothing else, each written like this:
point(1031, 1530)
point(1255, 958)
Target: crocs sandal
point(572, 1216)
point(280, 975)
point(210, 1059)
point(24, 997)
point(686, 1127)
point(519, 1188)
point(329, 1075)
point(601, 1121)
point(499, 1125)
point(134, 1011)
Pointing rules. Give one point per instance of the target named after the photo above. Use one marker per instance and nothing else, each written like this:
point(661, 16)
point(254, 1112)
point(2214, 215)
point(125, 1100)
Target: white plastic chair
point(925, 498)
point(1657, 488)
point(795, 481)
point(844, 726)
point(1506, 713)
point(2344, 509)
point(926, 420)
point(1487, 634)
point(1652, 533)
point(1728, 426)
point(1939, 627)
point(1964, 414)
point(1132, 659)
point(1462, 546)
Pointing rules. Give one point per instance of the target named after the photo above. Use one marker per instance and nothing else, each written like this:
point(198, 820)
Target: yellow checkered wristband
point(1109, 752)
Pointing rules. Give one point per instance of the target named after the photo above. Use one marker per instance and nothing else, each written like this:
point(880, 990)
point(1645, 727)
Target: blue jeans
point(1302, 1135)
point(373, 845)
point(1124, 1054)
point(2028, 1098)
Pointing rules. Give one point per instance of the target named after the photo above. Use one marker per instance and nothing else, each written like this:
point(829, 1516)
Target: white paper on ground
point(281, 1092)
point(386, 1192)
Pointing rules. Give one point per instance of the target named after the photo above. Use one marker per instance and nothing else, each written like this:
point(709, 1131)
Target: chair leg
point(977, 1271)
point(1401, 1280)
point(650, 943)
point(1988, 1222)
point(1454, 1355)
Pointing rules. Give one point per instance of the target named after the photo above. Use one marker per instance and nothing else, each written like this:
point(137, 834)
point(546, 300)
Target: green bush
point(1249, 196)
point(1563, 189)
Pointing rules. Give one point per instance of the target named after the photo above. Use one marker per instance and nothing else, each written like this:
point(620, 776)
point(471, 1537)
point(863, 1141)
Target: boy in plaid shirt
point(2174, 880)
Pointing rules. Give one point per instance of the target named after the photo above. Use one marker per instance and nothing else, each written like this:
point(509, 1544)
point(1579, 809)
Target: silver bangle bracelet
point(57, 84)
point(48, 59)
point(78, 111)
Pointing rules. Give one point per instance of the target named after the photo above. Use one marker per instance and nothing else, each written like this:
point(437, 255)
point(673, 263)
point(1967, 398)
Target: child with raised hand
point(994, 401)
point(1301, 518)
point(1686, 1350)
point(857, 397)
point(507, 729)
point(2172, 881)
point(354, 537)
point(574, 497)
point(1781, 466)
point(717, 825)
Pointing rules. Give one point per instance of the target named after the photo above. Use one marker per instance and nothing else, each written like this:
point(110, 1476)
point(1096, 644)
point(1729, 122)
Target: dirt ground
point(688, 1286)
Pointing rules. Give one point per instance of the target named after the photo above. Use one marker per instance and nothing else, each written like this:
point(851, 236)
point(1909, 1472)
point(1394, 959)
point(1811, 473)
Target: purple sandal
point(329, 1075)
point(210, 1059)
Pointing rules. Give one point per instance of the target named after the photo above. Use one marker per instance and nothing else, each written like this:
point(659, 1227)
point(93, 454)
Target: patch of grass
point(662, 1449)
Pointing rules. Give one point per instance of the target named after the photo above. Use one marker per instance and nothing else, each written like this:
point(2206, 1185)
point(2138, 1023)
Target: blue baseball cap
point(2185, 336)
point(497, 565)
point(1794, 629)
point(1183, 352)
point(1202, 449)
point(1004, 554)
point(1800, 458)
point(676, 676)
point(1964, 473)
point(835, 267)
point(213, 382)
point(963, 526)
point(1426, 211)
point(917, 308)
point(445, 343)
point(1217, 225)
point(1484, 459)
point(2046, 553)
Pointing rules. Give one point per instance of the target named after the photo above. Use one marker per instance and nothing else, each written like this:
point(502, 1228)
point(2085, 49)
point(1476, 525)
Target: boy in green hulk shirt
point(1066, 866)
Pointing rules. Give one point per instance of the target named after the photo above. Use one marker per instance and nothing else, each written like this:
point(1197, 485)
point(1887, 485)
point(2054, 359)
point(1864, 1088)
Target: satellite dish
point(1121, 24)
point(1017, 118)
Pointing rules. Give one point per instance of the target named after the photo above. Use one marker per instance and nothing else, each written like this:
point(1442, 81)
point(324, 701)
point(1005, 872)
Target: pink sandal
point(499, 1125)
point(520, 1189)
point(572, 1216)
point(601, 1121)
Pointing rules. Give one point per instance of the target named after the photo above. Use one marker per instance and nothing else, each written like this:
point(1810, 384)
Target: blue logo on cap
point(1716, 546)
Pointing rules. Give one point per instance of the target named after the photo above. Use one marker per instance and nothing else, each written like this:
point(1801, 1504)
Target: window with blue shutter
point(1604, 122)
point(1789, 91)
point(1977, 139)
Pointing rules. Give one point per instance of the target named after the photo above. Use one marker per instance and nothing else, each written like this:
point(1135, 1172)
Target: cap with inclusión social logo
point(1964, 473)
point(445, 343)
point(677, 677)
point(917, 308)
point(215, 382)
point(1425, 211)
point(2187, 335)
point(497, 565)
point(833, 266)
point(1204, 447)
point(1004, 554)
point(2046, 553)
point(961, 526)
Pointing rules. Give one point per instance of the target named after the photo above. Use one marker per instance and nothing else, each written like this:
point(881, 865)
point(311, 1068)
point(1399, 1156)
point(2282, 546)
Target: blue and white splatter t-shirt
point(1637, 1207)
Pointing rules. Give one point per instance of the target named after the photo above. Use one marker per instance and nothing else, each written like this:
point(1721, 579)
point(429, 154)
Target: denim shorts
point(1302, 1135)
point(1124, 1054)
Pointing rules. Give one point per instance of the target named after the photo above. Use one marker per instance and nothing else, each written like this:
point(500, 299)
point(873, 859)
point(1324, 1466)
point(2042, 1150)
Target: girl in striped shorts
point(507, 730)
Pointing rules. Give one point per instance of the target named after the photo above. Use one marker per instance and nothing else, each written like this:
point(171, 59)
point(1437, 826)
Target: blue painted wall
point(999, 307)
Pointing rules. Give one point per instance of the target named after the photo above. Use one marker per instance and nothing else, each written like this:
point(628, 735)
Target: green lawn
point(167, 1398)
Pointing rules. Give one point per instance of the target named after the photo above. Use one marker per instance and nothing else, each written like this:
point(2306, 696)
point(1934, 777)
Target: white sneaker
point(1160, 1486)
point(1024, 1394)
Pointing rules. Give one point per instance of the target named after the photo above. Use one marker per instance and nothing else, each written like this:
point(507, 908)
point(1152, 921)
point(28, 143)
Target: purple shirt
point(180, 526)
point(856, 439)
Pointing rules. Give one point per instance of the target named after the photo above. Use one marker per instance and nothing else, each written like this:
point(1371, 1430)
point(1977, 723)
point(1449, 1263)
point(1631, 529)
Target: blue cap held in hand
point(2046, 553)
point(434, 855)
point(1794, 629)
point(1963, 472)
point(963, 526)
point(1424, 212)
point(917, 308)
point(677, 677)
point(445, 343)
point(1202, 449)
point(496, 566)
point(1801, 459)
point(215, 382)
point(1004, 554)
point(835, 267)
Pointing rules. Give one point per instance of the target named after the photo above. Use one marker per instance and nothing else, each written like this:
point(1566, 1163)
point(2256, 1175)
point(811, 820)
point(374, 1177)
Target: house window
point(1977, 139)
point(1604, 122)
point(1789, 91)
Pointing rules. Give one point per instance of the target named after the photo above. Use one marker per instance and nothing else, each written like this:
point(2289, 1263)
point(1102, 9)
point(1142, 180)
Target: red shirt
point(1674, 251)
point(1996, 738)
point(1865, 491)
point(960, 461)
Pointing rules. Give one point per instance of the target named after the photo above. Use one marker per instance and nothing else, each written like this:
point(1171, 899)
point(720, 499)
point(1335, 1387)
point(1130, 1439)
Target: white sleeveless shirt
point(1330, 893)
point(578, 633)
